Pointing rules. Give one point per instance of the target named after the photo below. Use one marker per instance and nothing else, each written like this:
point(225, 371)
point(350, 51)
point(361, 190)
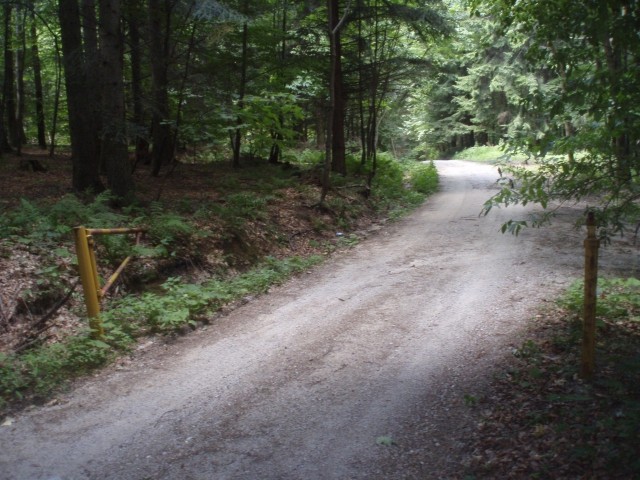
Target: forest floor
point(434, 348)
point(286, 224)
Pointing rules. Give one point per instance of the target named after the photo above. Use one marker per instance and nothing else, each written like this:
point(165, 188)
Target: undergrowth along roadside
point(254, 228)
point(40, 371)
point(183, 304)
point(494, 154)
point(542, 421)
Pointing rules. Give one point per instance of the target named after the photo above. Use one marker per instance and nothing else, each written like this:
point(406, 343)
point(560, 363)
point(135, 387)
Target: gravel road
point(356, 370)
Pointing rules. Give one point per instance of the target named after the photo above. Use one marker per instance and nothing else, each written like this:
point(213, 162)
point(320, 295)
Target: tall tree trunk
point(241, 93)
point(4, 141)
point(372, 153)
point(81, 122)
point(569, 129)
point(338, 161)
point(37, 81)
point(276, 150)
point(92, 68)
point(140, 134)
point(162, 138)
point(9, 91)
point(336, 109)
point(90, 32)
point(183, 85)
point(615, 74)
point(114, 136)
point(21, 138)
point(6, 91)
point(361, 86)
point(320, 124)
point(56, 99)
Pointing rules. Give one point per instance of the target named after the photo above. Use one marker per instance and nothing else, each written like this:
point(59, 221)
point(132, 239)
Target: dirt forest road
point(378, 345)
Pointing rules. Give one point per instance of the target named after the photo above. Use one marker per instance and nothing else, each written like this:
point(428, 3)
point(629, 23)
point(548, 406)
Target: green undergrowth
point(488, 154)
point(180, 304)
point(399, 187)
point(40, 371)
point(233, 224)
point(544, 421)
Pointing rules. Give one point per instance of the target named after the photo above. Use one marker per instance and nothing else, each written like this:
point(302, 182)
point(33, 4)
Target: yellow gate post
point(89, 271)
point(89, 279)
point(591, 246)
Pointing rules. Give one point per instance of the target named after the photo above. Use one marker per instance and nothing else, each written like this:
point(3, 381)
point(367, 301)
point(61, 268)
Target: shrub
point(618, 298)
point(401, 185)
point(389, 179)
point(38, 372)
point(169, 232)
point(423, 178)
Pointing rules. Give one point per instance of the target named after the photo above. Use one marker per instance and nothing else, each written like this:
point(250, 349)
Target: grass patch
point(423, 177)
point(488, 154)
point(399, 187)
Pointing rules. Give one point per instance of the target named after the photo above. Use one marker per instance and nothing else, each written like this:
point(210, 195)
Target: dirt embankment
point(358, 369)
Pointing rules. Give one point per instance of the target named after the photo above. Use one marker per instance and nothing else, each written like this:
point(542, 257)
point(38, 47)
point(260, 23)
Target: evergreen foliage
point(587, 130)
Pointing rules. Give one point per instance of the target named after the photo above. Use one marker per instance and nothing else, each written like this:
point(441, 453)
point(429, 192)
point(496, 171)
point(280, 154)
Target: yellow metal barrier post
point(89, 271)
point(89, 279)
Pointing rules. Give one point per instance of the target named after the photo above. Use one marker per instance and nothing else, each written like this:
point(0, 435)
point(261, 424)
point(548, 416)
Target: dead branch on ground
point(41, 325)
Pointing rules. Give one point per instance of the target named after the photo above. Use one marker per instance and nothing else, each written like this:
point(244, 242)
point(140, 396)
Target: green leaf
point(100, 344)
point(62, 252)
point(385, 440)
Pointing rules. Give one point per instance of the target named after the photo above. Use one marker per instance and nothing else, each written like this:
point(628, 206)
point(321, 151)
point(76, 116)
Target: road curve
point(302, 383)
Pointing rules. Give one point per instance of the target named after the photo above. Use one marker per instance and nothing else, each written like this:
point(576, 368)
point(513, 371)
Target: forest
point(125, 83)
point(251, 138)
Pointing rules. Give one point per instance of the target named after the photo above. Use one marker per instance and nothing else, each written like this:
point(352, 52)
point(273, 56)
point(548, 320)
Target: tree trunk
point(276, 151)
point(338, 101)
point(336, 106)
point(241, 93)
point(162, 138)
point(569, 129)
point(320, 112)
point(81, 122)
point(37, 80)
point(9, 92)
point(361, 86)
point(114, 153)
point(56, 99)
point(614, 54)
point(4, 139)
point(21, 138)
point(140, 134)
point(92, 69)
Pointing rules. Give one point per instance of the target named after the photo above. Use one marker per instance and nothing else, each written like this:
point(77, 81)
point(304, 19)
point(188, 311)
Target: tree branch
point(41, 324)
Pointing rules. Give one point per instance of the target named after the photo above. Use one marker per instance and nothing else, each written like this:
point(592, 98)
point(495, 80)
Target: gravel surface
point(359, 369)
